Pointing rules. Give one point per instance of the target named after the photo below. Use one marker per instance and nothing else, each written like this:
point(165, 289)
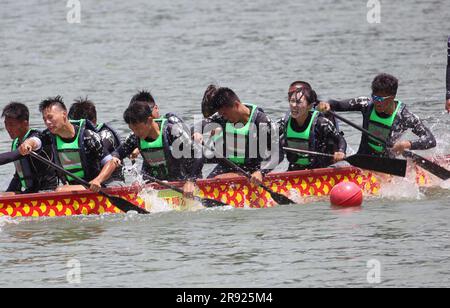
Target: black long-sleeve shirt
point(404, 121)
point(9, 157)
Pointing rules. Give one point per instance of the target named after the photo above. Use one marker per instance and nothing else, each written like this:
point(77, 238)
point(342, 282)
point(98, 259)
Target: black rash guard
point(9, 157)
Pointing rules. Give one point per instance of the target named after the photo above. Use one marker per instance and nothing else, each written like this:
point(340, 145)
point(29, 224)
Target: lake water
point(175, 49)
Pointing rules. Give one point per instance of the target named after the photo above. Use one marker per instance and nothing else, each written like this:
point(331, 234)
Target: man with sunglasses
point(385, 117)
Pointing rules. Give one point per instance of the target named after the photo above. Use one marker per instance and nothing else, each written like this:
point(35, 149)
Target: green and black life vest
point(23, 165)
point(381, 127)
point(155, 153)
point(301, 140)
point(71, 155)
point(237, 140)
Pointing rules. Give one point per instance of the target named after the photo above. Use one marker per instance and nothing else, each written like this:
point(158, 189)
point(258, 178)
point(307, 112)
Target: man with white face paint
point(305, 129)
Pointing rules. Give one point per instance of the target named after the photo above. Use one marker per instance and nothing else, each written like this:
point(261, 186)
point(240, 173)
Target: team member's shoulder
point(173, 118)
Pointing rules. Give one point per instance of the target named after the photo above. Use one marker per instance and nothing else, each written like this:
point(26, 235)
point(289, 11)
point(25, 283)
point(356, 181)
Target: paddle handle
point(162, 183)
point(365, 131)
point(247, 175)
point(236, 167)
point(307, 152)
point(64, 171)
point(60, 169)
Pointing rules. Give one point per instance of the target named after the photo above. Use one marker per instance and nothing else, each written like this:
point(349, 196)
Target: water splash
point(300, 199)
point(445, 185)
point(401, 189)
point(155, 204)
point(6, 220)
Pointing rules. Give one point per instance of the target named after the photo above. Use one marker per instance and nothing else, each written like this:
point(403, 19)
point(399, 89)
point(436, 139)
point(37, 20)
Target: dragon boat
point(235, 191)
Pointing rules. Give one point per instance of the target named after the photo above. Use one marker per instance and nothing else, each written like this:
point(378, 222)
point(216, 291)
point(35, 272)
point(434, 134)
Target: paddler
point(83, 108)
point(146, 96)
point(385, 117)
point(75, 144)
point(164, 144)
point(31, 175)
point(240, 132)
point(306, 129)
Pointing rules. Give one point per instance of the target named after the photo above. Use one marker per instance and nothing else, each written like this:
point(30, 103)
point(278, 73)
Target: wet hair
point(306, 89)
point(385, 83)
point(52, 101)
point(224, 97)
point(207, 108)
point(138, 112)
point(83, 108)
point(143, 96)
point(16, 111)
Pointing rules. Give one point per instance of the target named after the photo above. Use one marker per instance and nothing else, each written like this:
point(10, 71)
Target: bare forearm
point(107, 171)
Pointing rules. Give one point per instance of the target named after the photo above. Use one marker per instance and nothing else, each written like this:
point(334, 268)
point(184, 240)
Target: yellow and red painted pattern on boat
point(237, 192)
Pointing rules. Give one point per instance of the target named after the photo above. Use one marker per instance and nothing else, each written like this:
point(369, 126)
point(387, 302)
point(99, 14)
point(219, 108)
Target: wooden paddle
point(278, 198)
point(205, 201)
point(120, 203)
point(426, 164)
point(380, 164)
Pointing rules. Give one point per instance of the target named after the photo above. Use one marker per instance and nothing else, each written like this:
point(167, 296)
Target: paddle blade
point(428, 165)
point(278, 198)
point(211, 202)
point(380, 164)
point(125, 205)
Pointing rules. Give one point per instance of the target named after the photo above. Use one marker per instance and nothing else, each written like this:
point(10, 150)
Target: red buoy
point(346, 194)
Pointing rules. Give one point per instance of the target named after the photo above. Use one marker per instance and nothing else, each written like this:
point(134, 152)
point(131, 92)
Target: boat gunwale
point(134, 189)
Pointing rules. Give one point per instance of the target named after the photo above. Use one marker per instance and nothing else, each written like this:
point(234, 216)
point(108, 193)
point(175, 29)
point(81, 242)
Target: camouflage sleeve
point(360, 103)
point(180, 140)
point(411, 121)
point(127, 147)
point(267, 130)
point(108, 140)
point(327, 131)
point(93, 145)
